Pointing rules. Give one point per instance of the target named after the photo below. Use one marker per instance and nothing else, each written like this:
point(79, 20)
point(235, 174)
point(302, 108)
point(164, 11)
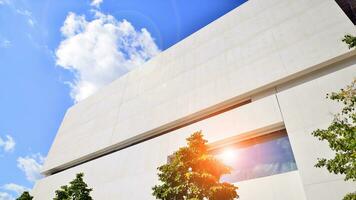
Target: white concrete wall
point(261, 44)
point(303, 109)
point(306, 109)
point(130, 173)
point(256, 44)
point(285, 186)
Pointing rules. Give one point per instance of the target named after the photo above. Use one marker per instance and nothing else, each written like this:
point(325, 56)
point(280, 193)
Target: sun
point(228, 156)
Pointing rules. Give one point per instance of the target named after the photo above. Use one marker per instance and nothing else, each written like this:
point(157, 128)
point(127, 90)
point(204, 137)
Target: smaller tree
point(25, 196)
point(194, 174)
point(350, 40)
point(341, 136)
point(77, 190)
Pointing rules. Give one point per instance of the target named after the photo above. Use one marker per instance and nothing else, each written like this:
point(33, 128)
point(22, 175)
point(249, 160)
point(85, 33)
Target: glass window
point(258, 157)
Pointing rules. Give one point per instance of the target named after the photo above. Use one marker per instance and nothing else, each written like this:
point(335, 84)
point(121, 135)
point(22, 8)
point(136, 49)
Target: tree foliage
point(341, 136)
point(350, 196)
point(76, 190)
point(350, 40)
point(25, 196)
point(194, 174)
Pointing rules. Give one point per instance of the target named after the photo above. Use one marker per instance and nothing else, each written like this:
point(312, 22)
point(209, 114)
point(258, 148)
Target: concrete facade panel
point(305, 108)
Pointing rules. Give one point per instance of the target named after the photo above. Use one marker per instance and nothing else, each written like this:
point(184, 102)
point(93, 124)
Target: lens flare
point(228, 156)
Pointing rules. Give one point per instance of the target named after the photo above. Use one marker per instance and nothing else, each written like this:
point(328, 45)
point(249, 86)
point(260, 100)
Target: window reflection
point(258, 157)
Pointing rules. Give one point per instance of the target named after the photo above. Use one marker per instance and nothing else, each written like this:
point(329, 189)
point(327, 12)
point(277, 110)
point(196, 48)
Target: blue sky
point(54, 53)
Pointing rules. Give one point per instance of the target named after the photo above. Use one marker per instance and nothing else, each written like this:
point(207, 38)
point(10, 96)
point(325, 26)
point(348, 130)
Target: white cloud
point(30, 19)
point(5, 43)
point(3, 2)
point(31, 22)
point(6, 196)
point(101, 50)
point(96, 3)
point(19, 189)
point(31, 166)
point(24, 12)
point(7, 144)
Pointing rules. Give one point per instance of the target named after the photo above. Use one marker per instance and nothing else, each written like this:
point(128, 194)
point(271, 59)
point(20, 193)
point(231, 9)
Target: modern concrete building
point(254, 81)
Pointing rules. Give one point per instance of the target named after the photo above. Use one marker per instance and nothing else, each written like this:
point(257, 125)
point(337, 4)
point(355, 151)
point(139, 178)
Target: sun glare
point(228, 156)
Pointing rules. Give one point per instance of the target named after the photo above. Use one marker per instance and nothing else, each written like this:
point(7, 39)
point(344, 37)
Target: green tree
point(25, 196)
point(350, 40)
point(341, 136)
point(194, 174)
point(77, 190)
